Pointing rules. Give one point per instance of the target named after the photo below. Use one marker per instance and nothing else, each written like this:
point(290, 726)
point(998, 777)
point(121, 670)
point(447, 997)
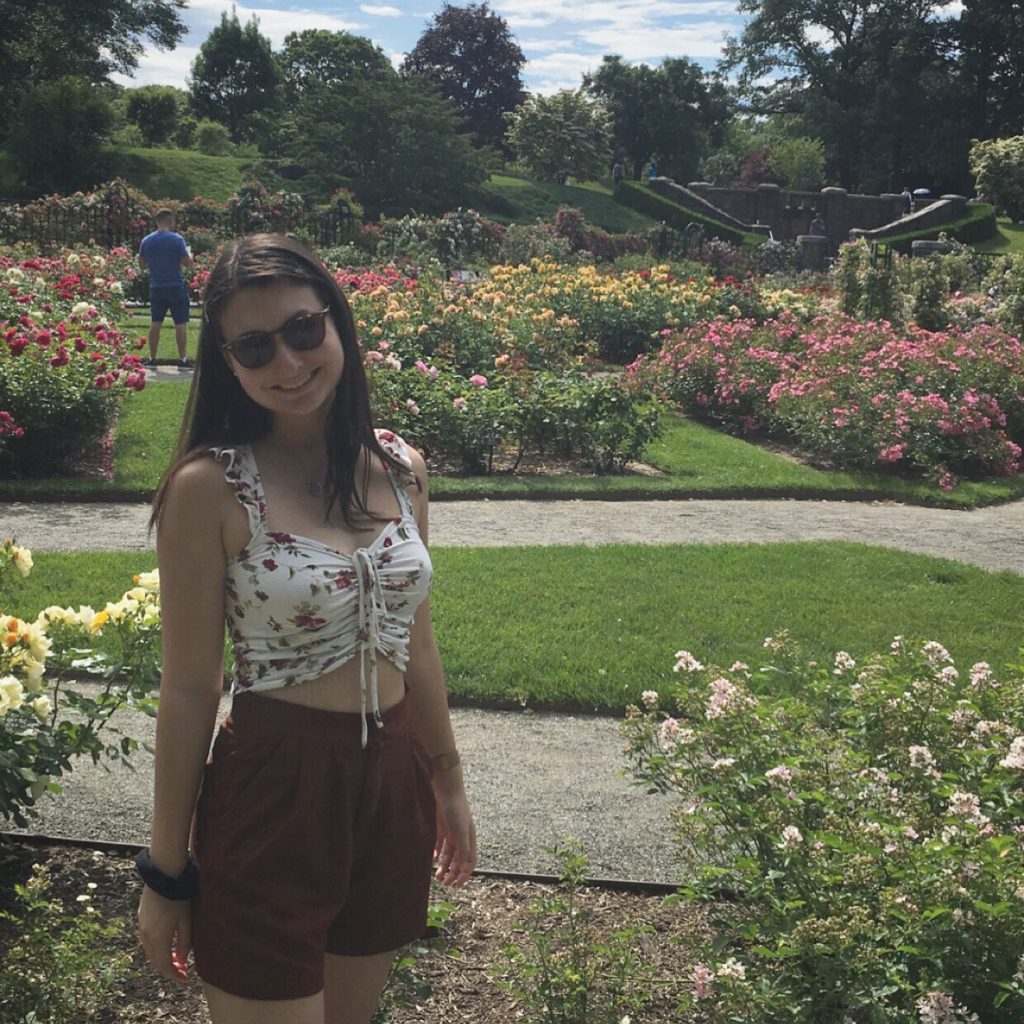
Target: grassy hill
point(180, 173)
point(1009, 237)
point(521, 201)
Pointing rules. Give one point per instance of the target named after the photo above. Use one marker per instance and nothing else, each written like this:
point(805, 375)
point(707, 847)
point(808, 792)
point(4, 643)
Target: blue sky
point(561, 39)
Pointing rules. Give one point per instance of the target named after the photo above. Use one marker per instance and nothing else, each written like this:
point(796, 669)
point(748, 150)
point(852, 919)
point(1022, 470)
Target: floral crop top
point(297, 609)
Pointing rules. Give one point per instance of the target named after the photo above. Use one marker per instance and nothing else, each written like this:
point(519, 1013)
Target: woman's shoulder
point(403, 453)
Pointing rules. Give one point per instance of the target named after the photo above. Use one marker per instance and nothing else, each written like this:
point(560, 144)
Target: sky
point(561, 39)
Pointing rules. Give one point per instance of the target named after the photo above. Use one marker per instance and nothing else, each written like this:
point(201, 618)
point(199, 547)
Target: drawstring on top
point(371, 609)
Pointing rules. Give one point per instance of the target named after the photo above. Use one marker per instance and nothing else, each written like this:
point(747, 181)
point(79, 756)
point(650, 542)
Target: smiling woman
point(298, 861)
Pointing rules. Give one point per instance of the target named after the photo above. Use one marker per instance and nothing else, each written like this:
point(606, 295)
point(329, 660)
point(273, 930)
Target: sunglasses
point(303, 332)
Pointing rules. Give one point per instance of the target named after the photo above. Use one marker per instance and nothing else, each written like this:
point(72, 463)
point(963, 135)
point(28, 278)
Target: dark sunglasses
point(302, 332)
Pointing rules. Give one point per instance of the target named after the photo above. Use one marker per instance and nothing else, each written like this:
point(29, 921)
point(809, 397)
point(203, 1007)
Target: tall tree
point(57, 132)
point(673, 112)
point(566, 133)
point(234, 74)
point(871, 78)
point(396, 143)
point(472, 56)
point(155, 109)
point(990, 41)
point(48, 39)
point(316, 57)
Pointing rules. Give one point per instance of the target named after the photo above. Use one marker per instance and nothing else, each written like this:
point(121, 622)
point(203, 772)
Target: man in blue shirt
point(163, 253)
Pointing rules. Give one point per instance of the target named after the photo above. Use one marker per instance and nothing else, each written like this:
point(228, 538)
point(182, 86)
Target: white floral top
point(297, 608)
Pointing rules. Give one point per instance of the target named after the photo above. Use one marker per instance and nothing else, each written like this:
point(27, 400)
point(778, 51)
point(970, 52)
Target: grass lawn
point(1009, 237)
point(533, 199)
point(590, 628)
point(695, 461)
point(135, 324)
point(181, 173)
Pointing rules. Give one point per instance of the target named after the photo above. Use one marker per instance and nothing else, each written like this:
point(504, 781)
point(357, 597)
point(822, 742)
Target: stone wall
point(789, 214)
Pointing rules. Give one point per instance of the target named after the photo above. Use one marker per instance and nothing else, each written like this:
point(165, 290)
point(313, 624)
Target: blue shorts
point(168, 297)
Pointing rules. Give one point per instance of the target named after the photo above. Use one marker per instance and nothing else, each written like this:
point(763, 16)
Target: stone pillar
point(813, 251)
point(835, 209)
point(928, 247)
point(959, 205)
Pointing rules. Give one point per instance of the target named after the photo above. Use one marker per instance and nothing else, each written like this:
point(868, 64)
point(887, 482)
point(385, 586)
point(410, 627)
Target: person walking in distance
point(163, 253)
point(298, 860)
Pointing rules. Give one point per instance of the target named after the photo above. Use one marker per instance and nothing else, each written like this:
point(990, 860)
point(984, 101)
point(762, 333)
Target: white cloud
point(701, 39)
point(160, 67)
point(559, 71)
point(380, 12)
point(544, 45)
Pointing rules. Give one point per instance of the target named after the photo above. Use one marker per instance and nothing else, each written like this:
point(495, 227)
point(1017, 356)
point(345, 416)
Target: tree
point(317, 57)
point(56, 136)
point(990, 42)
point(473, 58)
point(998, 167)
point(154, 108)
point(566, 133)
point(48, 39)
point(395, 143)
point(874, 79)
point(234, 74)
point(673, 112)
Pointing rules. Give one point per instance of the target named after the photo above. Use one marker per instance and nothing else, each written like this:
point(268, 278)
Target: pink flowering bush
point(857, 829)
point(63, 367)
point(856, 395)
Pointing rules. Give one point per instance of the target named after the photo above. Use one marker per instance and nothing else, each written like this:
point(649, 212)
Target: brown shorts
point(308, 844)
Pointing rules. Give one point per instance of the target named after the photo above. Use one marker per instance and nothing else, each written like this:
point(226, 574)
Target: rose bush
point(856, 829)
point(44, 721)
point(859, 395)
point(63, 363)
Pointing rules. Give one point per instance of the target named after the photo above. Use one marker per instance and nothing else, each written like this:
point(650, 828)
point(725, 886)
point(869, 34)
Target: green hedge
point(643, 199)
point(978, 225)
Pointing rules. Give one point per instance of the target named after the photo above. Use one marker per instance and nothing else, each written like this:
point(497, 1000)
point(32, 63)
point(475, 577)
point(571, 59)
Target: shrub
point(62, 967)
point(213, 139)
point(998, 168)
point(855, 829)
point(525, 242)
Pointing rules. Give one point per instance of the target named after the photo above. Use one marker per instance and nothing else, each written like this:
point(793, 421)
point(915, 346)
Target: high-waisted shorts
point(308, 844)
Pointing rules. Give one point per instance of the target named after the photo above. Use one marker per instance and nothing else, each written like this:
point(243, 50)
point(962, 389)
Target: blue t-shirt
point(163, 251)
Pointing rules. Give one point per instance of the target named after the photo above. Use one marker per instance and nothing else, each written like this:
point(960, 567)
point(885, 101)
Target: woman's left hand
point(455, 849)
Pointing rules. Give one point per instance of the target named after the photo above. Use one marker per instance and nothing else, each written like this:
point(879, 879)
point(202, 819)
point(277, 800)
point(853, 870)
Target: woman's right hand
point(165, 930)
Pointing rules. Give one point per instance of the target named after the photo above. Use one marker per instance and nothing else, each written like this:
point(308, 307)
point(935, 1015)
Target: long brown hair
point(219, 412)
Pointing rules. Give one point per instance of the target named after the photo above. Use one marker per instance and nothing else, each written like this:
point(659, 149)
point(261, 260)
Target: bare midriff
point(339, 690)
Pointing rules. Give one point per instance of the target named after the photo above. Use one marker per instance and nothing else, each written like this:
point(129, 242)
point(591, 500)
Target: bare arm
point(143, 265)
point(456, 845)
point(192, 563)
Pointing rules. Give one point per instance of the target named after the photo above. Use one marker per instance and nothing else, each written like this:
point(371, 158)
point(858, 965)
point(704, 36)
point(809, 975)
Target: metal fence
point(109, 224)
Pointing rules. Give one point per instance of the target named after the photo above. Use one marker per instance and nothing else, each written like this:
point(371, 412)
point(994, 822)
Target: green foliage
point(674, 112)
point(57, 133)
point(63, 967)
point(317, 57)
point(998, 169)
point(154, 108)
point(471, 56)
point(1011, 289)
point(640, 197)
point(800, 162)
point(234, 74)
point(83, 38)
point(181, 174)
point(213, 139)
point(862, 820)
point(869, 290)
point(929, 293)
point(564, 970)
point(559, 135)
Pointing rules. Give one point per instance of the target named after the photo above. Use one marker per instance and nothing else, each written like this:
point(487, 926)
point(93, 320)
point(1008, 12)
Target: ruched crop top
point(297, 609)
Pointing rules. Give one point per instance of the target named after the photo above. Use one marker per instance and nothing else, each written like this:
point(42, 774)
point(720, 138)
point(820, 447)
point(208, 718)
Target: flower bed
point(63, 363)
point(864, 825)
point(857, 395)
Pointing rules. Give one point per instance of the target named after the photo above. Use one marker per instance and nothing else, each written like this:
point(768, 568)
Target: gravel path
point(534, 778)
point(992, 538)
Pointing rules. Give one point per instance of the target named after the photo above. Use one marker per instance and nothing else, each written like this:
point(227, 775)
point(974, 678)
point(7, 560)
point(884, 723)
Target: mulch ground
point(454, 978)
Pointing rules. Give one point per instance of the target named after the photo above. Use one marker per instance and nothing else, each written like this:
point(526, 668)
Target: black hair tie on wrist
point(171, 887)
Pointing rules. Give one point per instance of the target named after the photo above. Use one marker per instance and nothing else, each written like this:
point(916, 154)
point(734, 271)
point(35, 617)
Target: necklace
point(314, 488)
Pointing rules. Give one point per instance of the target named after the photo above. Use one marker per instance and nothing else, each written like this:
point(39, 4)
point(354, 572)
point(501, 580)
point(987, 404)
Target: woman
point(305, 862)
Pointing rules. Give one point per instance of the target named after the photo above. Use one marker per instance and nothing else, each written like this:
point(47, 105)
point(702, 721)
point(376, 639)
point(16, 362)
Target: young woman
point(298, 860)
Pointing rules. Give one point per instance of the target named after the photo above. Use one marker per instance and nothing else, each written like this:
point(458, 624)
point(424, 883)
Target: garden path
point(992, 538)
point(533, 778)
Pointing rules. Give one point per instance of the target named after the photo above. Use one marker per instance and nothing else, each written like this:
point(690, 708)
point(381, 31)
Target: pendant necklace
point(314, 488)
